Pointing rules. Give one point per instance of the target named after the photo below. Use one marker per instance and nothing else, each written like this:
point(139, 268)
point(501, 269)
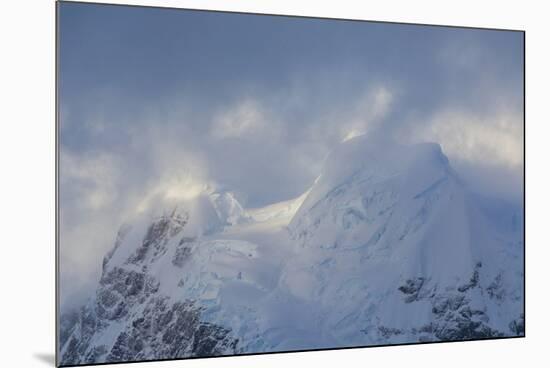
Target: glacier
point(388, 246)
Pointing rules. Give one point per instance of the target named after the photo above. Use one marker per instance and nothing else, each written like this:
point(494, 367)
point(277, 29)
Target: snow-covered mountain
point(388, 246)
point(391, 247)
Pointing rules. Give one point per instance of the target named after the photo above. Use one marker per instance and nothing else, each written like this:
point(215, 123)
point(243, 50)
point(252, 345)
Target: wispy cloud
point(491, 139)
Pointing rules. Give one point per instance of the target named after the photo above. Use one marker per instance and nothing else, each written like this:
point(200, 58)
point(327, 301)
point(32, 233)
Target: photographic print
point(233, 184)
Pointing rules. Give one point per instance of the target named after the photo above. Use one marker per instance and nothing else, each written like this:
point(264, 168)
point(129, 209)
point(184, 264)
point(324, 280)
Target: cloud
point(489, 139)
point(368, 113)
point(261, 120)
point(102, 189)
point(265, 147)
point(172, 188)
point(92, 178)
point(245, 120)
point(90, 209)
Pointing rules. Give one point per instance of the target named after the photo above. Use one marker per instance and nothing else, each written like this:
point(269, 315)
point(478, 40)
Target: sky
point(160, 102)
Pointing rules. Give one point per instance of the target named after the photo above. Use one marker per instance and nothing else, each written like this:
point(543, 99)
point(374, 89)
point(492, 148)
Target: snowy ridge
point(280, 210)
point(388, 246)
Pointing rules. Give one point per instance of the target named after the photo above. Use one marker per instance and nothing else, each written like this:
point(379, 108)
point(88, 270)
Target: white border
point(27, 162)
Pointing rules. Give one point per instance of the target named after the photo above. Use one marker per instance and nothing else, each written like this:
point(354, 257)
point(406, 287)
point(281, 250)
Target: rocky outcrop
point(129, 319)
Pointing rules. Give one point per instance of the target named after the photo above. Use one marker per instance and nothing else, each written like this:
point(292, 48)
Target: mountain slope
point(388, 246)
point(394, 247)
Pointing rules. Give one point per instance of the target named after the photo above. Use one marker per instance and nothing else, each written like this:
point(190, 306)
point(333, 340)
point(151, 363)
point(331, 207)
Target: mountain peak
point(368, 163)
point(382, 157)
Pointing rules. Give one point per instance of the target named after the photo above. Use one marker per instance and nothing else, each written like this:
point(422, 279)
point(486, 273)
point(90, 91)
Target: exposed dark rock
point(213, 340)
point(96, 354)
point(182, 254)
point(67, 323)
point(517, 326)
point(79, 339)
point(464, 330)
point(174, 331)
point(412, 289)
point(444, 304)
point(160, 330)
point(387, 332)
point(120, 289)
point(496, 289)
point(474, 280)
point(454, 318)
point(157, 235)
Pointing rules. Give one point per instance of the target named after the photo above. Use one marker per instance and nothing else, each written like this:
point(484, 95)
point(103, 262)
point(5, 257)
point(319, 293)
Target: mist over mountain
point(389, 245)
